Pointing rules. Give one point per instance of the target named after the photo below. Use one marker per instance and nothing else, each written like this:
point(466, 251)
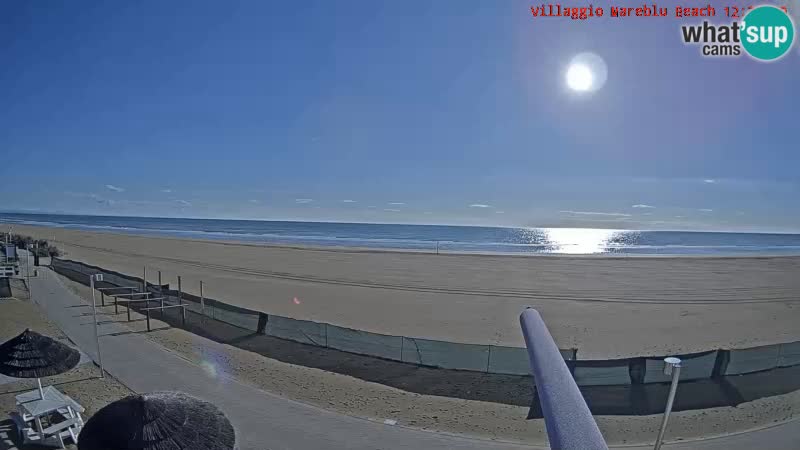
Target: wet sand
point(607, 307)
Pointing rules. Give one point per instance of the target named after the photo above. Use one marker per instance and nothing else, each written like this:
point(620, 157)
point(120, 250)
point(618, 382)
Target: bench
point(61, 430)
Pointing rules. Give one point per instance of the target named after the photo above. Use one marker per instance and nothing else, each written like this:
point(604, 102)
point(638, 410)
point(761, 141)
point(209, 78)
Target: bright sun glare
point(579, 77)
point(586, 72)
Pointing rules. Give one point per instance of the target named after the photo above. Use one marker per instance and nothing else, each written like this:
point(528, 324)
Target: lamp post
point(92, 279)
point(672, 366)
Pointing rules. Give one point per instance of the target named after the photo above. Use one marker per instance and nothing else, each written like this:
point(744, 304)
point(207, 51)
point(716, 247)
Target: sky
point(450, 112)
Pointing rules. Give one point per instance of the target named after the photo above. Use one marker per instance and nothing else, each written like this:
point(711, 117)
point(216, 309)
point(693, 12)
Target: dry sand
point(490, 420)
point(82, 383)
point(606, 307)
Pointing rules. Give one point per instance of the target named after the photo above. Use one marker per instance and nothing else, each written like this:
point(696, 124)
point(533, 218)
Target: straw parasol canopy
point(31, 355)
point(158, 421)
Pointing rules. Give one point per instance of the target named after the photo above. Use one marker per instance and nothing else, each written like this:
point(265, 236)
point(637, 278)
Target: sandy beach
point(606, 307)
point(483, 419)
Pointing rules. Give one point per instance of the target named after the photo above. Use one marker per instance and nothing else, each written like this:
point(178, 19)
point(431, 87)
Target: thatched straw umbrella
point(31, 355)
point(158, 421)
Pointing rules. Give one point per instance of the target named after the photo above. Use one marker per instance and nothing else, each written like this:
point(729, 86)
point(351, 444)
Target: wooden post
point(159, 283)
point(103, 298)
point(162, 308)
point(116, 306)
point(148, 318)
point(144, 279)
point(129, 310)
point(202, 301)
point(180, 302)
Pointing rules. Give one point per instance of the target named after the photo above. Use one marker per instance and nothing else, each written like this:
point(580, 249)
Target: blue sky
point(424, 112)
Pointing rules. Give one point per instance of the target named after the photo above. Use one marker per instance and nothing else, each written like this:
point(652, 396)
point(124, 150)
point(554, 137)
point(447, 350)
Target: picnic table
point(33, 406)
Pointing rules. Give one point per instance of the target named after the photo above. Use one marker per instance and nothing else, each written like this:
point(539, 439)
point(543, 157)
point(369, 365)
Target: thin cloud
point(184, 203)
point(709, 180)
point(396, 203)
point(391, 210)
point(499, 212)
point(640, 205)
point(348, 201)
point(166, 191)
point(479, 205)
point(114, 188)
point(371, 206)
point(303, 200)
point(254, 201)
point(706, 210)
point(595, 213)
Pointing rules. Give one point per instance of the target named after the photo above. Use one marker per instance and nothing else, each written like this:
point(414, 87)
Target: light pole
point(672, 366)
point(92, 279)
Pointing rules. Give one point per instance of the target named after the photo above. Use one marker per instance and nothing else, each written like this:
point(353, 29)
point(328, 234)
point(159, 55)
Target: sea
point(441, 238)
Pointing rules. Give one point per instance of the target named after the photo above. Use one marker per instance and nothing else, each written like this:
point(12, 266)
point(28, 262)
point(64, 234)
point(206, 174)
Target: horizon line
point(42, 213)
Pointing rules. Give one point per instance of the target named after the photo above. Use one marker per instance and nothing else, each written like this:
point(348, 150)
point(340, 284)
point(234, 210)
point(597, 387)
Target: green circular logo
point(767, 33)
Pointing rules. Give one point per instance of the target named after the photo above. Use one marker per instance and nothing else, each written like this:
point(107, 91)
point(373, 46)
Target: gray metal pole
point(144, 279)
point(569, 423)
point(96, 335)
point(676, 373)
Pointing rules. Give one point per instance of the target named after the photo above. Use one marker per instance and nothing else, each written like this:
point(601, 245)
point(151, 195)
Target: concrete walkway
point(265, 421)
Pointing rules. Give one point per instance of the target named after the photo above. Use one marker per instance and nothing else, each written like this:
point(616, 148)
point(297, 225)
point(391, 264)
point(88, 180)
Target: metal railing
point(569, 423)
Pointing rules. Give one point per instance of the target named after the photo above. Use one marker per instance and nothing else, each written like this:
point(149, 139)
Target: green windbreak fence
point(442, 354)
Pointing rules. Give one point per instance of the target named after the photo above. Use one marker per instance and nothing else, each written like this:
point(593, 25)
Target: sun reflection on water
point(579, 240)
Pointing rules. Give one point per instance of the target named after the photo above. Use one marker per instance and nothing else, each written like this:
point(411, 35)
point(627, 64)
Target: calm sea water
point(427, 237)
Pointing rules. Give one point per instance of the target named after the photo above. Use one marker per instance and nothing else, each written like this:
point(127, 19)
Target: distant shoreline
point(412, 251)
point(297, 221)
point(430, 239)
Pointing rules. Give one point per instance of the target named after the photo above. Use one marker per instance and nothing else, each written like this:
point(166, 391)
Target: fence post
point(103, 298)
point(144, 279)
point(128, 307)
point(180, 302)
point(148, 319)
point(262, 323)
point(159, 283)
point(202, 301)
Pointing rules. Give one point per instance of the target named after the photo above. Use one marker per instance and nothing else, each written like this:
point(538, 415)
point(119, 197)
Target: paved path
point(265, 421)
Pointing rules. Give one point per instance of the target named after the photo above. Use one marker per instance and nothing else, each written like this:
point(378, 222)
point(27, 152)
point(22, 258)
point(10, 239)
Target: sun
point(579, 77)
point(586, 72)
